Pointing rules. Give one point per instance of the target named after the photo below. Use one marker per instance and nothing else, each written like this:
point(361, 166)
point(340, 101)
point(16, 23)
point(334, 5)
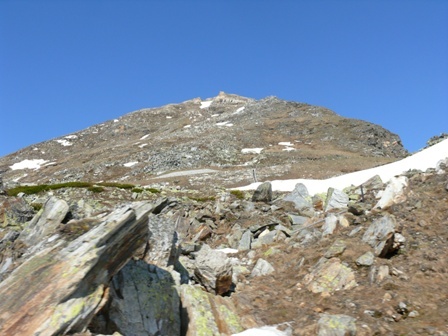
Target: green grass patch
point(95, 189)
point(238, 194)
point(202, 199)
point(153, 190)
point(116, 185)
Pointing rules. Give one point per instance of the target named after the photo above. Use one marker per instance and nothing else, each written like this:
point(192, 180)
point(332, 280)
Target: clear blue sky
point(66, 65)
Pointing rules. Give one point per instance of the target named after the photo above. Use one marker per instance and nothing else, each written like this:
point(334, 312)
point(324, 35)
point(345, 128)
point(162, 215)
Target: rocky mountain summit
point(131, 228)
point(225, 137)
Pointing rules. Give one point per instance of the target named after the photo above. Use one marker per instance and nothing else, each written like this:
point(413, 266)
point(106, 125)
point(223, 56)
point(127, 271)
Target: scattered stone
point(262, 267)
point(380, 235)
point(263, 193)
point(366, 259)
point(330, 225)
point(245, 242)
point(297, 220)
point(336, 249)
point(330, 275)
point(336, 199)
point(336, 325)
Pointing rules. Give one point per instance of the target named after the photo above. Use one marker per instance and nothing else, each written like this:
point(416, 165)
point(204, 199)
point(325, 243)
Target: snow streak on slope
point(423, 160)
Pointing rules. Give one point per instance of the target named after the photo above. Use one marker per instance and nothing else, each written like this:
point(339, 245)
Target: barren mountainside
point(132, 227)
point(228, 133)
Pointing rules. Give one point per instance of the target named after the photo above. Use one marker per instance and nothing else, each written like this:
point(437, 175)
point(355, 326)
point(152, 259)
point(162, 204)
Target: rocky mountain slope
point(227, 135)
point(91, 244)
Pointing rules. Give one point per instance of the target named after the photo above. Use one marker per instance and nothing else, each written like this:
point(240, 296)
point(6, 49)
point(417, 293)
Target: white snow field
point(427, 158)
point(29, 164)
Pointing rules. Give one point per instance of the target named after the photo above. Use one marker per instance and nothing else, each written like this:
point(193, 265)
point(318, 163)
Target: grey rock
point(336, 325)
point(336, 249)
point(297, 220)
point(330, 275)
point(207, 314)
point(299, 196)
point(144, 301)
point(213, 269)
point(366, 259)
point(263, 193)
point(45, 222)
point(330, 225)
point(336, 199)
point(163, 249)
point(262, 267)
point(245, 242)
point(380, 235)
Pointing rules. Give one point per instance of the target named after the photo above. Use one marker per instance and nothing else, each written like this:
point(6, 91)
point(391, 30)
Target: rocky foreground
point(366, 260)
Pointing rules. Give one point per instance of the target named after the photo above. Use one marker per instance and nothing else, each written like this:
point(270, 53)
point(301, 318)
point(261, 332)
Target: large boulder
point(263, 193)
point(299, 196)
point(45, 222)
point(70, 278)
point(204, 314)
point(213, 269)
point(381, 236)
point(395, 192)
point(143, 301)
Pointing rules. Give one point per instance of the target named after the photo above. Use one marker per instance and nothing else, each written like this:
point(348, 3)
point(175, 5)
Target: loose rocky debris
point(288, 264)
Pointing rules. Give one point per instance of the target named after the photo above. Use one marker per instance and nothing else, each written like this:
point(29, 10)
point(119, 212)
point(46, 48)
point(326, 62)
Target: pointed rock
point(263, 193)
point(336, 199)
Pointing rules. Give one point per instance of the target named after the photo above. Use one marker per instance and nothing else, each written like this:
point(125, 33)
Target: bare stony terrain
point(91, 244)
point(298, 140)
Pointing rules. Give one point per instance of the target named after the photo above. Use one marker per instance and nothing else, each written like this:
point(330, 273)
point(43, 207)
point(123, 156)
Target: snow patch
point(205, 104)
point(251, 150)
point(187, 126)
point(169, 117)
point(115, 120)
point(285, 143)
point(142, 145)
point(29, 164)
point(64, 143)
point(144, 137)
point(130, 164)
point(224, 123)
point(72, 136)
point(423, 160)
point(262, 331)
point(288, 149)
point(239, 110)
point(228, 250)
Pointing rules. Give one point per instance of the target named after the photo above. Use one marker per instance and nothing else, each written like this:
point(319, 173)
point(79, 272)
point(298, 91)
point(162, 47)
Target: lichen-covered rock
point(330, 275)
point(70, 279)
point(336, 325)
point(204, 314)
point(144, 301)
point(366, 259)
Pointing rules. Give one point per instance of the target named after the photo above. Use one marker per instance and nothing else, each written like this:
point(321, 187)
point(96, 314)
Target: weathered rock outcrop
point(70, 279)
